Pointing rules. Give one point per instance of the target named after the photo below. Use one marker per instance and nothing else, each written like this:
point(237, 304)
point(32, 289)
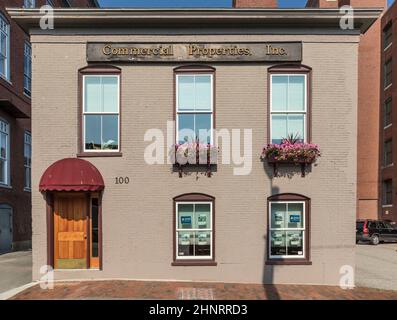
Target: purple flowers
point(295, 152)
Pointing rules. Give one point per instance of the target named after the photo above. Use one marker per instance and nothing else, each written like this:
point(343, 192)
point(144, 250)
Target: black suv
point(375, 231)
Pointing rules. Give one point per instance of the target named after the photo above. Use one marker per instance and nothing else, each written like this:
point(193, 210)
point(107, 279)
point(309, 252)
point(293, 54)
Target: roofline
point(124, 17)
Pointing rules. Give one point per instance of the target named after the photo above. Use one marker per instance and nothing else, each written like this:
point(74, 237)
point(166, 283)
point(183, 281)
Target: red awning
point(71, 175)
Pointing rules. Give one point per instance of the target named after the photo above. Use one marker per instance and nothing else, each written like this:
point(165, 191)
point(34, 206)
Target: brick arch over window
point(292, 69)
point(306, 228)
point(195, 198)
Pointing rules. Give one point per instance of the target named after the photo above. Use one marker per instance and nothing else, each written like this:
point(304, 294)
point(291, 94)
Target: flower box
point(194, 154)
point(295, 153)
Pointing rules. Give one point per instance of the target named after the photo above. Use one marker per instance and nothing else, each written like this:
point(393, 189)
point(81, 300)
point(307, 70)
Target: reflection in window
point(287, 229)
point(194, 230)
point(288, 107)
point(28, 160)
point(101, 113)
point(4, 153)
point(194, 107)
point(4, 48)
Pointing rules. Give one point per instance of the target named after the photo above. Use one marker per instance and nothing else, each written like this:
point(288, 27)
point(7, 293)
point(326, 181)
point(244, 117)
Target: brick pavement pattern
point(202, 291)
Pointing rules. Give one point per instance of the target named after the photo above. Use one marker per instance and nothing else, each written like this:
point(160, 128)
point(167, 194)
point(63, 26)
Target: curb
point(11, 293)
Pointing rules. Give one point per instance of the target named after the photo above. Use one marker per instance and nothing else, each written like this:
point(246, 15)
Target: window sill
point(289, 262)
point(388, 86)
point(388, 126)
point(98, 154)
point(27, 190)
point(187, 263)
point(388, 46)
point(387, 206)
point(5, 186)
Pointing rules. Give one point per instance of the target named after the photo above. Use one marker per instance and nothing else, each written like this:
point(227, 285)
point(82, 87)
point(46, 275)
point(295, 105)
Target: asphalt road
point(376, 266)
point(15, 270)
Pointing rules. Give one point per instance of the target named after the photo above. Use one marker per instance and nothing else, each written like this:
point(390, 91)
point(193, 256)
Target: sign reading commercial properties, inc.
point(190, 52)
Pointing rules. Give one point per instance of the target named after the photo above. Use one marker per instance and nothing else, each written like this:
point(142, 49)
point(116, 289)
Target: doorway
point(5, 228)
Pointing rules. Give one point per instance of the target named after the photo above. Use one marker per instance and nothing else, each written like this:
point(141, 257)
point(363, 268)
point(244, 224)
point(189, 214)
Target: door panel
point(70, 232)
point(5, 229)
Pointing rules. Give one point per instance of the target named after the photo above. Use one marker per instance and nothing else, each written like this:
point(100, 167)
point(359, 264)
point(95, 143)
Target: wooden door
point(70, 231)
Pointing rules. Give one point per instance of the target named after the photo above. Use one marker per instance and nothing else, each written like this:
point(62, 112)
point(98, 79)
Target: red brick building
point(15, 139)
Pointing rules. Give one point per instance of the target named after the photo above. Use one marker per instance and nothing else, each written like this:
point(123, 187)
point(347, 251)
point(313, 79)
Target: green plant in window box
point(291, 151)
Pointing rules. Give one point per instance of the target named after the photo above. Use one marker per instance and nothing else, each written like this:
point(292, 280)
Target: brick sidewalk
point(203, 291)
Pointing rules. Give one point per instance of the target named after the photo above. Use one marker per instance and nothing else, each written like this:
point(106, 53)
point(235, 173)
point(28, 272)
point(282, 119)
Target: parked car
point(375, 231)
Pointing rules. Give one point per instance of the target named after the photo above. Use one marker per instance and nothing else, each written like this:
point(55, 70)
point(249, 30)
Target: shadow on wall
point(268, 270)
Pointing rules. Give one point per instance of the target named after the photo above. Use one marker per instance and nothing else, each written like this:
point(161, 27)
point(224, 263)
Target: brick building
point(15, 113)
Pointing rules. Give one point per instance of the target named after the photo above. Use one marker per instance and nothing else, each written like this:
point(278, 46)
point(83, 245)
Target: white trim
point(177, 230)
point(388, 46)
point(303, 229)
point(25, 143)
point(388, 126)
point(388, 86)
point(84, 113)
point(178, 112)
point(288, 112)
point(6, 75)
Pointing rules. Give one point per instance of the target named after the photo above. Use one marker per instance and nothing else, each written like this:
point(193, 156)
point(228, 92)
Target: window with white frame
point(27, 69)
point(194, 107)
point(101, 112)
point(288, 107)
point(4, 153)
point(29, 4)
point(4, 48)
point(28, 160)
point(287, 229)
point(194, 230)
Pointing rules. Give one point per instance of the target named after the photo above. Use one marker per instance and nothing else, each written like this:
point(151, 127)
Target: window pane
point(202, 243)
point(203, 93)
point(185, 244)
point(3, 171)
point(295, 243)
point(93, 94)
point(278, 243)
point(3, 146)
point(296, 126)
point(278, 212)
point(185, 216)
point(202, 216)
point(110, 132)
point(279, 93)
point(110, 94)
point(186, 128)
point(295, 215)
point(279, 128)
point(203, 127)
point(93, 132)
point(296, 93)
point(186, 94)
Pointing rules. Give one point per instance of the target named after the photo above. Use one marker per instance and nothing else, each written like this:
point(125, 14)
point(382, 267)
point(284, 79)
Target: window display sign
point(186, 220)
point(294, 218)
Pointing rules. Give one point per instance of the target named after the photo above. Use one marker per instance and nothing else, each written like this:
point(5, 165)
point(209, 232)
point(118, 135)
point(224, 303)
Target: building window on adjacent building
point(388, 153)
point(194, 228)
point(101, 112)
point(29, 4)
point(4, 153)
point(388, 112)
point(50, 3)
point(27, 74)
point(387, 36)
point(388, 73)
point(288, 107)
point(28, 160)
point(387, 192)
point(288, 228)
point(194, 106)
point(4, 48)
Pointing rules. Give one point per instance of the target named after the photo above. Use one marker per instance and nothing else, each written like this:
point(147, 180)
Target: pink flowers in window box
point(290, 152)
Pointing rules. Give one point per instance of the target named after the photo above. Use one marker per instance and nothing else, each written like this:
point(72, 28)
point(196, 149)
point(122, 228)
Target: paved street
point(376, 266)
point(15, 270)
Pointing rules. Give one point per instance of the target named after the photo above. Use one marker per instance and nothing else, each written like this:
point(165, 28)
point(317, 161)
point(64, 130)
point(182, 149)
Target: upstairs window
point(50, 3)
point(388, 153)
point(28, 160)
point(387, 192)
point(288, 106)
point(4, 48)
point(387, 36)
point(29, 4)
point(27, 70)
point(388, 112)
point(101, 112)
point(4, 153)
point(388, 73)
point(194, 105)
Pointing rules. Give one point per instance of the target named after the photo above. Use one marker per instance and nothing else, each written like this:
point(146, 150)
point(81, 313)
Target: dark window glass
point(94, 227)
point(388, 73)
point(388, 153)
point(387, 36)
point(387, 112)
point(387, 192)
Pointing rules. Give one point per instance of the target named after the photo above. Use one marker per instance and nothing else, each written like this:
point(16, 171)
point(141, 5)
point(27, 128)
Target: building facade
point(15, 126)
point(132, 96)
